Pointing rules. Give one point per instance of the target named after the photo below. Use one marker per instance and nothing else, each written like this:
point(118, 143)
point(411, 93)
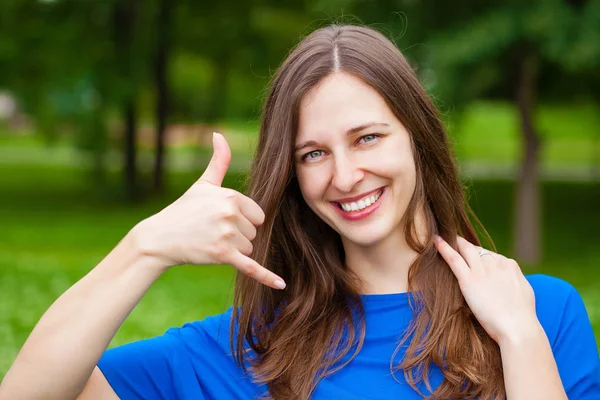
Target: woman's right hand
point(208, 224)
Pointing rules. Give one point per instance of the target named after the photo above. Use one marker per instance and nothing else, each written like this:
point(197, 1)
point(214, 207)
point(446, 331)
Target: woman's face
point(354, 160)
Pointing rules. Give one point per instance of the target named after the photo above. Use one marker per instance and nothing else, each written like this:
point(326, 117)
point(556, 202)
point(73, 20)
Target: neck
point(383, 267)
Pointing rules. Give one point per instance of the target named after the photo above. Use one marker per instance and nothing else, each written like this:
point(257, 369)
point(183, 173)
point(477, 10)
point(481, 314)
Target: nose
point(346, 174)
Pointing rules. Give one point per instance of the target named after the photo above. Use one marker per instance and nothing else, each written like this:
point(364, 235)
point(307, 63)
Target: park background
point(107, 108)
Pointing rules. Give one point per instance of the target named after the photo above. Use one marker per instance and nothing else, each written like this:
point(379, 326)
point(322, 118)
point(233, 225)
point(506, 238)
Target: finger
point(243, 244)
point(455, 261)
point(469, 252)
point(254, 270)
point(250, 209)
point(219, 163)
point(246, 227)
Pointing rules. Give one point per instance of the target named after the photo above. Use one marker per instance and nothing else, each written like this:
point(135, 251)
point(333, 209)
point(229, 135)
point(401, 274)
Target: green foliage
point(477, 56)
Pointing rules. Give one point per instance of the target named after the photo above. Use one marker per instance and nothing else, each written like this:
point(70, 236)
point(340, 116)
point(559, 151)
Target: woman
point(347, 289)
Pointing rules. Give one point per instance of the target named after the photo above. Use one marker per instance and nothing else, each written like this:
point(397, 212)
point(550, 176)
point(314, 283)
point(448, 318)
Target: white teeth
point(361, 204)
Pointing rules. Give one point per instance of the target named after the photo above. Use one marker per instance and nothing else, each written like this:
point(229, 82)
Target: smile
point(361, 207)
point(362, 203)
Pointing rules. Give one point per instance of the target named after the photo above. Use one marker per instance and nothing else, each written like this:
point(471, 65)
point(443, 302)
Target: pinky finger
point(254, 270)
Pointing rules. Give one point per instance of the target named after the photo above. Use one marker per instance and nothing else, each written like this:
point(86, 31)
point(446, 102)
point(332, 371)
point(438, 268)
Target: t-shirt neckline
point(367, 298)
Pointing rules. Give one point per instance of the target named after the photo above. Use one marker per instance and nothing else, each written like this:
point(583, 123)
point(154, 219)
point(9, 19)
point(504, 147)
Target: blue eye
point(369, 138)
point(312, 155)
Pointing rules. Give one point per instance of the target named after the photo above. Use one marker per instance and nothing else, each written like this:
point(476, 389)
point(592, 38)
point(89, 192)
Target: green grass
point(55, 228)
point(490, 131)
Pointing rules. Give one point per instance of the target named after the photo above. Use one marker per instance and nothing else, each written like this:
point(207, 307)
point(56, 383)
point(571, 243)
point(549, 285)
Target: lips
point(362, 203)
point(356, 198)
point(363, 213)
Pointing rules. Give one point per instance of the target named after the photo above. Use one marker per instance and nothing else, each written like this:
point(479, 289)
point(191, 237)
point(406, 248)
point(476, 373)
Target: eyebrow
point(349, 132)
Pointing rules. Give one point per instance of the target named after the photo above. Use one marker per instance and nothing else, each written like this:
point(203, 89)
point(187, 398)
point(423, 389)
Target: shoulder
point(552, 294)
point(209, 324)
point(212, 330)
point(562, 313)
point(550, 288)
point(195, 338)
point(193, 361)
point(558, 304)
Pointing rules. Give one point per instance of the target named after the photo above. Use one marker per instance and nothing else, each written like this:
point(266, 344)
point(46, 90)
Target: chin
point(369, 239)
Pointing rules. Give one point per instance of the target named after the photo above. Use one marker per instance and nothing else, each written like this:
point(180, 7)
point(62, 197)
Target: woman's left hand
point(495, 289)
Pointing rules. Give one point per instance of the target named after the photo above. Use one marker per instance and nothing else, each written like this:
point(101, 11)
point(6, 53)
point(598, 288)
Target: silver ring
point(483, 252)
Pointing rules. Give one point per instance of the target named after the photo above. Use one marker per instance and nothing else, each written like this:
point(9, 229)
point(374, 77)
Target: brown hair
point(301, 334)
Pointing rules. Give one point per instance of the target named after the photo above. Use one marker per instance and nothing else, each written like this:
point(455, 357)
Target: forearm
point(64, 347)
point(529, 367)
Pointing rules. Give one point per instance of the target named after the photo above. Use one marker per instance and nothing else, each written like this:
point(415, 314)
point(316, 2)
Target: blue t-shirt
point(194, 362)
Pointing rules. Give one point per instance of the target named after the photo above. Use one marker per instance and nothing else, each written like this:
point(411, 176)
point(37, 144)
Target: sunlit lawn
point(55, 227)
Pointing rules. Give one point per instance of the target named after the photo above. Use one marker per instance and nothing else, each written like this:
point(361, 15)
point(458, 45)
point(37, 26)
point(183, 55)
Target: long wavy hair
point(292, 339)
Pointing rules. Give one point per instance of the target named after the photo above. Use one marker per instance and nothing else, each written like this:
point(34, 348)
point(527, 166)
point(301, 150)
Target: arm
point(503, 302)
point(530, 371)
point(207, 225)
point(61, 352)
point(98, 388)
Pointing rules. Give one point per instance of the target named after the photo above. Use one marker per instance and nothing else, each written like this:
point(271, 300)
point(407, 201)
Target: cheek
point(394, 159)
point(407, 174)
point(312, 184)
point(395, 167)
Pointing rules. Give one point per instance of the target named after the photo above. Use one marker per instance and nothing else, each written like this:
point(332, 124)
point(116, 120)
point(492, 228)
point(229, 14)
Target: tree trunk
point(124, 20)
point(162, 92)
point(129, 168)
point(528, 213)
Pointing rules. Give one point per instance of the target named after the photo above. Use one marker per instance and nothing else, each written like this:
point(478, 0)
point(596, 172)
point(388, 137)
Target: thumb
point(217, 167)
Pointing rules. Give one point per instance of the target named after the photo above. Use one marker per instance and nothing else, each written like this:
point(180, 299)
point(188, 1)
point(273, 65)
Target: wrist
point(142, 244)
point(522, 335)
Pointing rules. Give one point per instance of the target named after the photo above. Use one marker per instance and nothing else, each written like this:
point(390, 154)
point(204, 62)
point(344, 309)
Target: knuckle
point(262, 275)
point(250, 269)
point(455, 258)
point(228, 211)
point(219, 252)
point(230, 194)
point(228, 232)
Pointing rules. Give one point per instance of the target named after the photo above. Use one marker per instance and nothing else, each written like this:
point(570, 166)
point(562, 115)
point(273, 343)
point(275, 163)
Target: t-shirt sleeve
point(192, 362)
point(574, 345)
point(156, 368)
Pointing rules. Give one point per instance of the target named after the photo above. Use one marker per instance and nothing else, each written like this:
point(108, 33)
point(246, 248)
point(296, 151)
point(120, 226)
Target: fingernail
point(437, 238)
point(279, 284)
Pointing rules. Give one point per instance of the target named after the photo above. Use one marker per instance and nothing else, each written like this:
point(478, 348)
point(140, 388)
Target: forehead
point(339, 102)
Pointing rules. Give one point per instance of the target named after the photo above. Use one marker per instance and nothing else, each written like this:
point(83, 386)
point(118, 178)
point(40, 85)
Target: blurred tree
point(78, 63)
point(163, 30)
point(125, 23)
point(70, 64)
point(504, 52)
